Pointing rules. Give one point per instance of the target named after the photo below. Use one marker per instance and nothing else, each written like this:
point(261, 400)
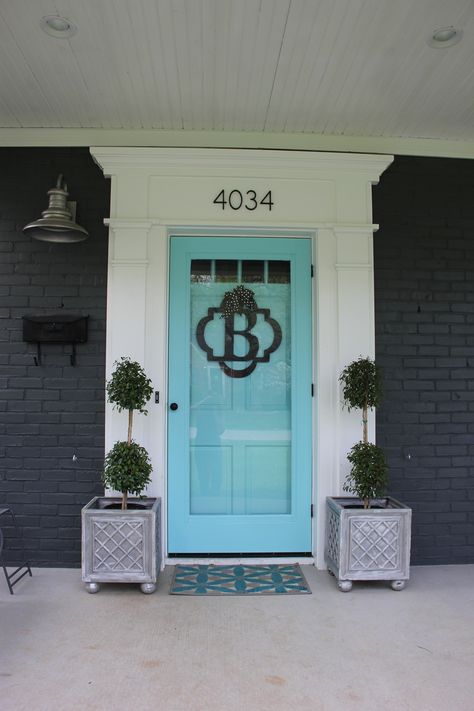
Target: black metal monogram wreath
point(239, 301)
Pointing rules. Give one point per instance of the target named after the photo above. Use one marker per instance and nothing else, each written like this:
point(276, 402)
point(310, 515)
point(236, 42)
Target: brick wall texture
point(424, 294)
point(51, 416)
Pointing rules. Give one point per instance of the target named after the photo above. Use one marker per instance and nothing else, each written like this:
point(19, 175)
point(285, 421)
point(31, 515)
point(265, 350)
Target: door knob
point(174, 406)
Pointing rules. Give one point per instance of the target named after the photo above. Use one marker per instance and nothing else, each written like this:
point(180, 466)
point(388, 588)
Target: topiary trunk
point(129, 442)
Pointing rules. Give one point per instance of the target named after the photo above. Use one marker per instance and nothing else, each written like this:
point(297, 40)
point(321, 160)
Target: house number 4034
point(247, 200)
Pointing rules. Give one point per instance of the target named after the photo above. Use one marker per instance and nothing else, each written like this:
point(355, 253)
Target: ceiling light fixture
point(56, 224)
point(57, 26)
point(445, 37)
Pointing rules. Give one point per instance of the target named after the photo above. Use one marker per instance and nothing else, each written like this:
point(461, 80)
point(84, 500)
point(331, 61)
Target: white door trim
point(156, 191)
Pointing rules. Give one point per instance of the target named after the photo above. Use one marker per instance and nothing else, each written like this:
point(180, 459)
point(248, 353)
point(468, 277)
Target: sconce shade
point(57, 222)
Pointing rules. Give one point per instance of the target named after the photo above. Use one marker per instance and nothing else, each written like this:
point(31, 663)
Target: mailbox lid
point(55, 328)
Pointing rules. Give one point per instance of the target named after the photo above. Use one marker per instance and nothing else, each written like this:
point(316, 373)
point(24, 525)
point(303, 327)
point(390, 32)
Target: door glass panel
point(201, 270)
point(240, 388)
point(226, 270)
point(253, 271)
point(278, 272)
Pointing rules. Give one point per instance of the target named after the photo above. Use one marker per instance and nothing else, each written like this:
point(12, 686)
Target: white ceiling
point(326, 67)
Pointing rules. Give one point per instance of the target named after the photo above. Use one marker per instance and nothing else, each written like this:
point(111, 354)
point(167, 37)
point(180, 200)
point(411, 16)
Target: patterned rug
point(238, 580)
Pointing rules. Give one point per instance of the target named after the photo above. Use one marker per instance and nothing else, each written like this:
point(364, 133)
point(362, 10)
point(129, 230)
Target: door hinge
point(312, 510)
point(312, 271)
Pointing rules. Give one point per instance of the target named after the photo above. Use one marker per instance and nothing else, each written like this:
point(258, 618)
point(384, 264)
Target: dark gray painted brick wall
point(52, 412)
point(424, 291)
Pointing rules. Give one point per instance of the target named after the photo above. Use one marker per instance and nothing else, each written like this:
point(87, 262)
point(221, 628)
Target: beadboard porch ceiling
point(331, 68)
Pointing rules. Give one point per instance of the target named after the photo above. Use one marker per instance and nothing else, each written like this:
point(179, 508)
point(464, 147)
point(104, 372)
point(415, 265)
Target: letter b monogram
point(230, 332)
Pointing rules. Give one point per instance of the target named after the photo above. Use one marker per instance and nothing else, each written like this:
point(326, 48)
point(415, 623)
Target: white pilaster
point(126, 309)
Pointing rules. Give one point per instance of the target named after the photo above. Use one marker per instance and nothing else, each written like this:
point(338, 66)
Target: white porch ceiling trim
point(53, 137)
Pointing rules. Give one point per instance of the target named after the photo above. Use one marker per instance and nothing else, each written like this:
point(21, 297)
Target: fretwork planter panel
point(374, 544)
point(118, 545)
point(332, 536)
point(368, 544)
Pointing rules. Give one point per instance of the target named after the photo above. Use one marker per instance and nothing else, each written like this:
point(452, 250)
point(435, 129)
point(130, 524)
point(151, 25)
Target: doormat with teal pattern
point(239, 580)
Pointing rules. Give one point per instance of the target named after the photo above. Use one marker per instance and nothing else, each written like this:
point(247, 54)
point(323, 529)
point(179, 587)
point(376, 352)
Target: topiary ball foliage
point(362, 384)
point(129, 388)
point(368, 476)
point(127, 468)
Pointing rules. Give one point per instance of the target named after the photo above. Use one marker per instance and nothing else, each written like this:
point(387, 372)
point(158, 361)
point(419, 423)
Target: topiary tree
point(127, 465)
point(362, 389)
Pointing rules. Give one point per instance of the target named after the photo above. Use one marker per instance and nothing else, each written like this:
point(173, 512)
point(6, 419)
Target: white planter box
point(368, 544)
point(121, 546)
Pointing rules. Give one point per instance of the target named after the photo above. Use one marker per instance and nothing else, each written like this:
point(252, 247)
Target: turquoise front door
point(239, 420)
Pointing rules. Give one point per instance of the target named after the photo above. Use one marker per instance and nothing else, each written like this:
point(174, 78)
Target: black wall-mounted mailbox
point(55, 328)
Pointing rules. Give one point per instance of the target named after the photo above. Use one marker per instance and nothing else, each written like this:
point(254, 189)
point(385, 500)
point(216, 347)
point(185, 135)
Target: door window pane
point(226, 270)
point(200, 270)
point(278, 272)
point(240, 407)
point(253, 271)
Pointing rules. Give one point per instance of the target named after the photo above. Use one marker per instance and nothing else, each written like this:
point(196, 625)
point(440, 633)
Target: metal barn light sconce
point(57, 222)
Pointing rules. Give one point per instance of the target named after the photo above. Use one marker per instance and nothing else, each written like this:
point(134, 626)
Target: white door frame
point(156, 192)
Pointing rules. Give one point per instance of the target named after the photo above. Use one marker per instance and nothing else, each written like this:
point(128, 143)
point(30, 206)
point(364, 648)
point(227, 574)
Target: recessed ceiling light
point(57, 26)
point(445, 37)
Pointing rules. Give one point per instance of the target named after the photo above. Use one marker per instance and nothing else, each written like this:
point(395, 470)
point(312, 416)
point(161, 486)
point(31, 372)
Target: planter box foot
point(398, 584)
point(92, 588)
point(148, 588)
point(344, 585)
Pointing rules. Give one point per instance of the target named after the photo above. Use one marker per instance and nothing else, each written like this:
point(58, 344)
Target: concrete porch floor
point(369, 649)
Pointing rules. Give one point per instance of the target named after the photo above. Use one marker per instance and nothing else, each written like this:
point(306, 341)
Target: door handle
point(174, 406)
